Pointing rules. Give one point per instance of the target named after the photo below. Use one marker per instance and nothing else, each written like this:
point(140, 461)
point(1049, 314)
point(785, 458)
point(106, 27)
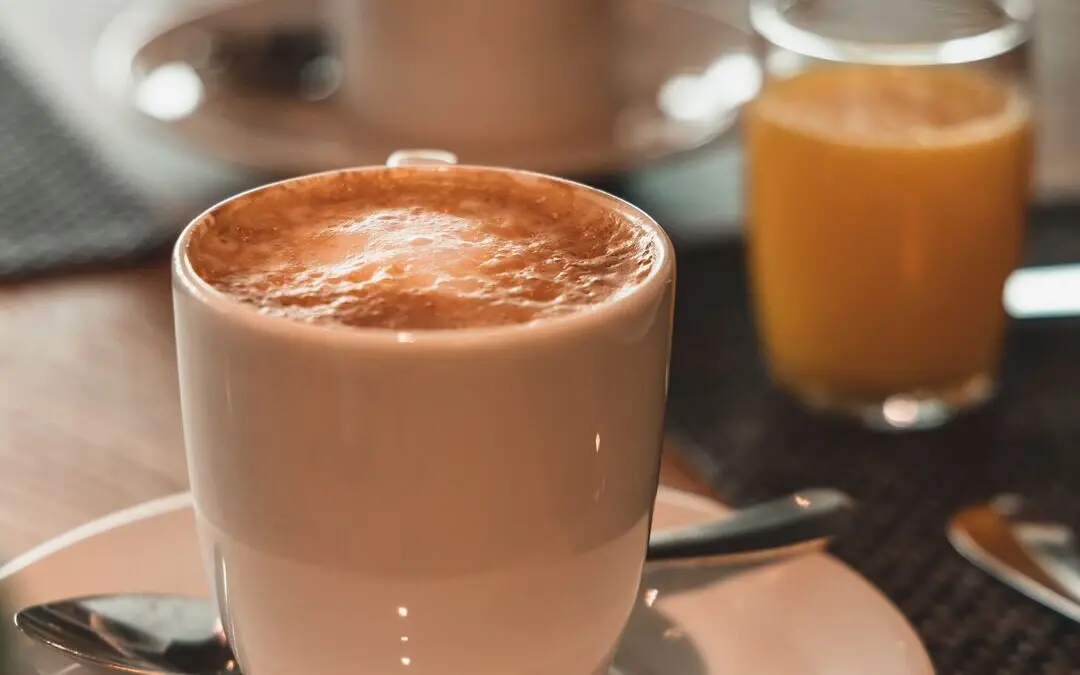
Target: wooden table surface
point(89, 413)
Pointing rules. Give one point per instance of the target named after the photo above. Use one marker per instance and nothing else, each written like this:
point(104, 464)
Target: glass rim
point(768, 21)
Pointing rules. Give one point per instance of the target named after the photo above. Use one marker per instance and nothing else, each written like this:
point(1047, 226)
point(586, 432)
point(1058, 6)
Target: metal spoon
point(764, 530)
point(1038, 559)
point(150, 634)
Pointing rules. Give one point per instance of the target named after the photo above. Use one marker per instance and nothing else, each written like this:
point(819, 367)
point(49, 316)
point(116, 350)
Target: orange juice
point(886, 207)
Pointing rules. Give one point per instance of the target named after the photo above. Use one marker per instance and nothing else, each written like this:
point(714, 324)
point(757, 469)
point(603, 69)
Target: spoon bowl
point(146, 634)
point(1037, 558)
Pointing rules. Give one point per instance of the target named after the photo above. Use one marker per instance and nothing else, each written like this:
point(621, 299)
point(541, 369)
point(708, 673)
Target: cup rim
point(185, 280)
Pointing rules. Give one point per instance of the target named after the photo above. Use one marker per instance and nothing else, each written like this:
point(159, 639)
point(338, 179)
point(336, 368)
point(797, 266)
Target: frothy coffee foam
point(414, 249)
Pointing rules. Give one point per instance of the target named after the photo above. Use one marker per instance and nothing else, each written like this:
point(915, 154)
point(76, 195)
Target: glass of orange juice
point(889, 159)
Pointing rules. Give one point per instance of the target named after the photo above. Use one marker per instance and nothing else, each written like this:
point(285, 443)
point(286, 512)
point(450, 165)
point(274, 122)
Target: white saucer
point(684, 72)
point(811, 615)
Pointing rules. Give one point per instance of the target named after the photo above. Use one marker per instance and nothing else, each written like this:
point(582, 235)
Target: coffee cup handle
point(418, 157)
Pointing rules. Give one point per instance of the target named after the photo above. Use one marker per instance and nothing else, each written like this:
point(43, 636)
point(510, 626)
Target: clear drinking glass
point(889, 160)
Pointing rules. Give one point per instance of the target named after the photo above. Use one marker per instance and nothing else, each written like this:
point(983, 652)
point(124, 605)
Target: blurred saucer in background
point(254, 84)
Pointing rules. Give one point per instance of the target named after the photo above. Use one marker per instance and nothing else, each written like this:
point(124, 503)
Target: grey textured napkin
point(60, 208)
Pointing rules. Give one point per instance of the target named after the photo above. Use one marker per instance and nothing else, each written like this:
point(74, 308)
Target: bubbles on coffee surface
point(413, 251)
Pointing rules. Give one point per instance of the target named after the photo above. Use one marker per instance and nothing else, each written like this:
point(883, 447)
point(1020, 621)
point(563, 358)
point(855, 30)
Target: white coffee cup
point(461, 502)
point(478, 72)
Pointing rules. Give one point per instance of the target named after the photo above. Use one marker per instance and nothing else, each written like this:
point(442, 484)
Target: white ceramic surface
point(685, 69)
point(526, 545)
point(811, 615)
point(497, 72)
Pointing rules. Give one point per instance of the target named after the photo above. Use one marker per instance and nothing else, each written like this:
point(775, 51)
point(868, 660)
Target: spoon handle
point(796, 519)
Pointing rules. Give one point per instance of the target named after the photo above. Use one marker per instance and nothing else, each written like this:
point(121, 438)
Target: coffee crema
point(422, 249)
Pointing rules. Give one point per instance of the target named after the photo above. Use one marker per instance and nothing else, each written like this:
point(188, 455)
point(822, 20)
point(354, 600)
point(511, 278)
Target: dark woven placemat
point(753, 443)
point(60, 208)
